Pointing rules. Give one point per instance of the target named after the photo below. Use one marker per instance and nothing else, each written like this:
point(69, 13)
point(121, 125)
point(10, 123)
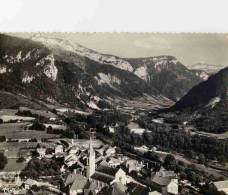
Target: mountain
point(60, 45)
point(165, 72)
point(58, 75)
point(60, 71)
point(161, 72)
point(206, 68)
point(203, 93)
point(208, 103)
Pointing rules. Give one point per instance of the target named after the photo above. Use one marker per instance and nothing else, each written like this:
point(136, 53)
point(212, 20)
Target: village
point(42, 162)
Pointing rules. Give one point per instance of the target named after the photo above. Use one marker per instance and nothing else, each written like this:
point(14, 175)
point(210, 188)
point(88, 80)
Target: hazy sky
point(188, 48)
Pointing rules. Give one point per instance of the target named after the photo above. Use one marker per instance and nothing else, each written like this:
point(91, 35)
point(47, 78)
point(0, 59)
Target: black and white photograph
point(111, 113)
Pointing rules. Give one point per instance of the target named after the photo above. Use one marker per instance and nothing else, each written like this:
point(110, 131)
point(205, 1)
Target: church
point(95, 178)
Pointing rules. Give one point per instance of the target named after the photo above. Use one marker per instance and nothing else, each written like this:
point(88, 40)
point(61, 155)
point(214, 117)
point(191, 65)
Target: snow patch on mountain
point(174, 61)
point(107, 79)
point(50, 70)
point(142, 73)
point(203, 75)
point(160, 65)
point(93, 105)
point(26, 78)
point(164, 62)
point(214, 102)
point(18, 57)
point(28, 55)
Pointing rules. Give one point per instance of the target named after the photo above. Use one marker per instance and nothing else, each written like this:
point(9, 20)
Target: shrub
point(3, 161)
point(37, 126)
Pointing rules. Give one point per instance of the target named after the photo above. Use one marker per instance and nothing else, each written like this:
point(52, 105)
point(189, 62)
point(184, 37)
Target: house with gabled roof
point(165, 181)
point(29, 183)
point(108, 175)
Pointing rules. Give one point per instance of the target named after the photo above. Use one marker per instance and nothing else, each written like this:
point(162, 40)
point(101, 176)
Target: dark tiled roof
point(102, 177)
point(135, 189)
point(107, 170)
point(159, 180)
point(112, 190)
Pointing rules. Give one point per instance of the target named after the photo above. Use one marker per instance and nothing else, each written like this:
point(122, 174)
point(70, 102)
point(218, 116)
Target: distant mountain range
point(207, 68)
point(57, 71)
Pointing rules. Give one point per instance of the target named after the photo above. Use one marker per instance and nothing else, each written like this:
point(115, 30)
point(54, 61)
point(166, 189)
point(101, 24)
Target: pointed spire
point(91, 157)
point(90, 145)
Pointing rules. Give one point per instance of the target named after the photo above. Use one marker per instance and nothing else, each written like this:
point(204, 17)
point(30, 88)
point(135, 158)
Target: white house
point(41, 151)
point(110, 151)
point(59, 149)
point(29, 183)
point(172, 187)
point(221, 186)
point(133, 165)
point(114, 162)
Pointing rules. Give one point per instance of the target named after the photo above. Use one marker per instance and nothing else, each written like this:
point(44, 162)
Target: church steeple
point(91, 165)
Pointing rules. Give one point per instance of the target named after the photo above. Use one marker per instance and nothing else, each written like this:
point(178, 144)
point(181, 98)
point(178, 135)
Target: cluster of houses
point(101, 170)
point(98, 170)
point(97, 167)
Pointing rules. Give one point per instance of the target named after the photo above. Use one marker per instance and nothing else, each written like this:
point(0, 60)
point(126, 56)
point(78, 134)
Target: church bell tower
point(91, 163)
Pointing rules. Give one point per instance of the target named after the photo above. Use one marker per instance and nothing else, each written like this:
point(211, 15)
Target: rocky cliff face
point(64, 72)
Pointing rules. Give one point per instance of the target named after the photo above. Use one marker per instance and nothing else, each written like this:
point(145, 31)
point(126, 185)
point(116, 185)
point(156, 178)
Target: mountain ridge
point(57, 67)
point(206, 104)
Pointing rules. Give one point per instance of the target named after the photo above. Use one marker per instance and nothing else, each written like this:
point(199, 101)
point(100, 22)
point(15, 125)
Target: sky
point(188, 48)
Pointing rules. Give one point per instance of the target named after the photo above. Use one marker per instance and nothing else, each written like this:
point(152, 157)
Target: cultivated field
point(16, 131)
